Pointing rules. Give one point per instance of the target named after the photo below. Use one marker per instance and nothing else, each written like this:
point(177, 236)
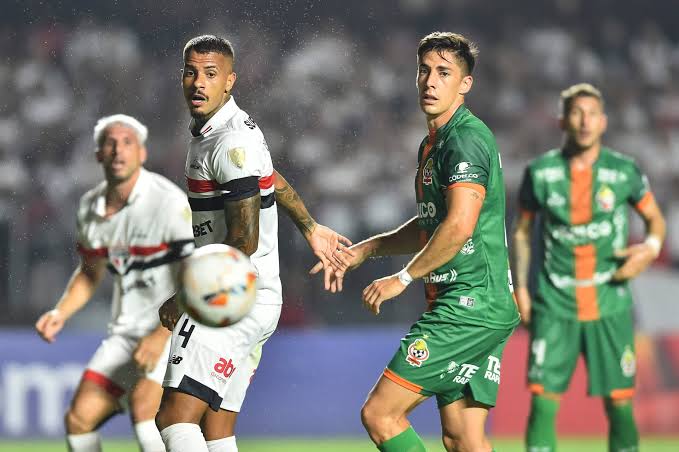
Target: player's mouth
point(117, 165)
point(428, 99)
point(198, 99)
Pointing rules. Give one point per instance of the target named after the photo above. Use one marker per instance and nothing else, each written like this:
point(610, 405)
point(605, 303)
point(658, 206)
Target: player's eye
point(211, 74)
point(188, 73)
point(423, 70)
point(444, 74)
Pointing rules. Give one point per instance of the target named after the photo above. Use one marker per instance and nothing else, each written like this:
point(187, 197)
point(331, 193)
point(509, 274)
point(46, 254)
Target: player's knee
point(472, 444)
point(451, 442)
point(77, 423)
point(373, 419)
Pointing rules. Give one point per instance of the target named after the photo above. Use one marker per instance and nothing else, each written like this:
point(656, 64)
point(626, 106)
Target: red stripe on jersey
point(266, 182)
point(103, 382)
point(147, 250)
point(92, 252)
point(201, 186)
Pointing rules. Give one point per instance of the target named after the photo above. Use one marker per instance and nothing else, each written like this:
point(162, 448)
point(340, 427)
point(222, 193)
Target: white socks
point(184, 437)
point(223, 445)
point(84, 442)
point(148, 436)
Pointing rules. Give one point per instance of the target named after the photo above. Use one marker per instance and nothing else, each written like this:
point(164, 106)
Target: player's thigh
point(555, 345)
point(145, 400)
point(463, 424)
point(218, 424)
point(388, 399)
point(90, 407)
point(203, 361)
point(610, 355)
point(177, 407)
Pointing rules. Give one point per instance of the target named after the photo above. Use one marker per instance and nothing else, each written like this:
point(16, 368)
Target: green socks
point(541, 432)
point(622, 430)
point(406, 441)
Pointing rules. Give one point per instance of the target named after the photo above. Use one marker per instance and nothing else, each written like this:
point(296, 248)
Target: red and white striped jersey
point(229, 161)
point(142, 243)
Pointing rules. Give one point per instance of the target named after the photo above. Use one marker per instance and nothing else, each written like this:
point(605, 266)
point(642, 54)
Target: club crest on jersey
point(119, 257)
point(428, 172)
point(605, 198)
point(468, 248)
point(628, 362)
point(237, 156)
point(418, 352)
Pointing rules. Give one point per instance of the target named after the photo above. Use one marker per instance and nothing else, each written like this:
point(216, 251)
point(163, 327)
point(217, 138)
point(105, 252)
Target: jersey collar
point(140, 187)
point(223, 115)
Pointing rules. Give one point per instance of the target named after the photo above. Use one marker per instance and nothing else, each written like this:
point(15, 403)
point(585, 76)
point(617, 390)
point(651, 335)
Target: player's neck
point(436, 122)
point(582, 158)
point(199, 123)
point(118, 192)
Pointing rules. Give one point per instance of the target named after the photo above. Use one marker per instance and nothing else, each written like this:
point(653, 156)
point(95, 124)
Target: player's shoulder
point(620, 160)
point(240, 127)
point(471, 130)
point(160, 184)
point(88, 198)
point(547, 159)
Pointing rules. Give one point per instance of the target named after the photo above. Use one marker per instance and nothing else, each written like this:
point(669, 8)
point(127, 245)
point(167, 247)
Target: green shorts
point(607, 345)
point(450, 360)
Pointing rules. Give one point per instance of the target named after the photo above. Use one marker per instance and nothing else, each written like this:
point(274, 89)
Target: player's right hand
point(169, 314)
point(49, 324)
point(523, 302)
point(334, 274)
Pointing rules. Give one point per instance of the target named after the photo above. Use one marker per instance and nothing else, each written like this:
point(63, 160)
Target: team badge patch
point(605, 198)
point(237, 156)
point(418, 352)
point(119, 257)
point(428, 172)
point(628, 362)
point(468, 248)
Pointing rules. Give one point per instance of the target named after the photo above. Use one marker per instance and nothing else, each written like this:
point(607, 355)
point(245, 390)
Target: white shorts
point(113, 368)
point(216, 365)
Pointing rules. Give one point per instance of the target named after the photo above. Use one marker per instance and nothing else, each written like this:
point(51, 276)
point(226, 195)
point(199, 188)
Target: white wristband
point(404, 277)
point(654, 242)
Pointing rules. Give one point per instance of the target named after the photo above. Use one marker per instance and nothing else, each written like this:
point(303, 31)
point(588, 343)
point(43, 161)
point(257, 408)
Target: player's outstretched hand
point(381, 290)
point(324, 242)
point(169, 314)
point(49, 324)
point(149, 349)
point(333, 275)
point(637, 258)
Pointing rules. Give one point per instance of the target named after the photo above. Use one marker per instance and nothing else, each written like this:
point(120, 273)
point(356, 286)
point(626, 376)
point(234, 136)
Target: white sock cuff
point(84, 442)
point(183, 436)
point(227, 444)
point(148, 436)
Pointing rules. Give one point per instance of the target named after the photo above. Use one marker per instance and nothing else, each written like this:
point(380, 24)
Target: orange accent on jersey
point(643, 202)
point(526, 214)
point(581, 196)
point(423, 161)
point(585, 297)
point(622, 393)
point(536, 388)
point(429, 288)
point(402, 381)
point(476, 187)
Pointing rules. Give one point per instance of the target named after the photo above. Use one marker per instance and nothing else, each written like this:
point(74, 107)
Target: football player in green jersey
point(454, 350)
point(582, 302)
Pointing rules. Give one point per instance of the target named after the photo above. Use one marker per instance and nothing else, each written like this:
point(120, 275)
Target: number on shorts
point(539, 347)
point(186, 333)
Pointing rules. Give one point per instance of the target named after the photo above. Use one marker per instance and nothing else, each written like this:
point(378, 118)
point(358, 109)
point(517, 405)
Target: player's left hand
point(637, 258)
point(331, 249)
point(149, 349)
point(381, 290)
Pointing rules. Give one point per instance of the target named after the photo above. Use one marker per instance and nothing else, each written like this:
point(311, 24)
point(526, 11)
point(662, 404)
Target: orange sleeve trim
point(402, 381)
point(536, 388)
point(476, 187)
point(619, 394)
point(526, 214)
point(643, 202)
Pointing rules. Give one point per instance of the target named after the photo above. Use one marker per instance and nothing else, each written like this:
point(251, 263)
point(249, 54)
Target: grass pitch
point(348, 445)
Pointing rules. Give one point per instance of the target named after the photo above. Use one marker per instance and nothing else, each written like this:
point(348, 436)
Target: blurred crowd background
point(332, 85)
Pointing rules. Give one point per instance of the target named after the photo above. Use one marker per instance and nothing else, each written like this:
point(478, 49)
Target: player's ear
point(143, 155)
point(604, 125)
point(230, 81)
point(466, 84)
point(99, 155)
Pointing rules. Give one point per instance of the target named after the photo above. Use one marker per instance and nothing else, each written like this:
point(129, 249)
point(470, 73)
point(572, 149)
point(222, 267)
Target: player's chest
point(198, 161)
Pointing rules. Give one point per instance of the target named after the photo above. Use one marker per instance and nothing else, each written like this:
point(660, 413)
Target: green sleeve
point(467, 161)
point(638, 183)
point(527, 199)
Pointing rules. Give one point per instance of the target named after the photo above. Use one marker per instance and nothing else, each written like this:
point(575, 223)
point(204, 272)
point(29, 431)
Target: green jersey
point(474, 287)
point(584, 220)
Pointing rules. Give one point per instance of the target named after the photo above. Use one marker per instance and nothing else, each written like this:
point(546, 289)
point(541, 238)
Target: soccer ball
point(217, 285)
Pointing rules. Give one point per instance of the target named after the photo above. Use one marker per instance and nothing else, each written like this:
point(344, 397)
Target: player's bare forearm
point(521, 250)
point(402, 240)
point(81, 286)
point(242, 222)
point(292, 204)
point(654, 220)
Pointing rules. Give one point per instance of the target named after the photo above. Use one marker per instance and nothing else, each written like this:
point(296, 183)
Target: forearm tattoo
point(242, 222)
point(288, 198)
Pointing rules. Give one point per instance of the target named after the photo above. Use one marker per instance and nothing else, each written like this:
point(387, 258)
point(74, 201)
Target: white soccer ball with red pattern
point(217, 285)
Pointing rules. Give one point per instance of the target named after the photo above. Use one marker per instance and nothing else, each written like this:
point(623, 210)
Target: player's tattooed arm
point(294, 207)
point(242, 223)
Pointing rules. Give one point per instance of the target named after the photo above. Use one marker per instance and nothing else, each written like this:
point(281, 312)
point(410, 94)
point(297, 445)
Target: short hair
point(573, 92)
point(209, 43)
point(139, 129)
point(465, 51)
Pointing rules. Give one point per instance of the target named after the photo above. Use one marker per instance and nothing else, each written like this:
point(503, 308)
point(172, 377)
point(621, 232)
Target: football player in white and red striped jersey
point(138, 225)
point(233, 190)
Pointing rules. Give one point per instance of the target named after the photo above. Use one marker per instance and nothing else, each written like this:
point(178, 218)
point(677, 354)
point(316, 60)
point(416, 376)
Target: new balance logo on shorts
point(493, 371)
point(175, 359)
point(223, 368)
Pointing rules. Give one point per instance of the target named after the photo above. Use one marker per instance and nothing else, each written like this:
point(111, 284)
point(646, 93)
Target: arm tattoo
point(242, 223)
point(289, 200)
